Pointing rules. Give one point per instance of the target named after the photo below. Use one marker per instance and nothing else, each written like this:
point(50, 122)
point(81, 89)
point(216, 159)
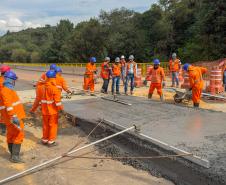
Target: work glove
point(164, 84)
point(16, 122)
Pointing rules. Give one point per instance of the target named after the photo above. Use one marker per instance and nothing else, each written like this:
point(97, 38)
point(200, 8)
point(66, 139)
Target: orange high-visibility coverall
point(196, 82)
point(157, 77)
point(10, 106)
point(50, 98)
point(39, 85)
point(61, 83)
point(89, 77)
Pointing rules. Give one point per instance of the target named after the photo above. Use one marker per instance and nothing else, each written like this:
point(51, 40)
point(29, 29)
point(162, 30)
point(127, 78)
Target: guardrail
point(143, 66)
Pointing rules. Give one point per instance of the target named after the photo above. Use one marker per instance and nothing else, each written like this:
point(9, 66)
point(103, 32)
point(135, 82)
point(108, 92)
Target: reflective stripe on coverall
point(10, 105)
point(157, 76)
point(89, 77)
point(196, 82)
point(61, 83)
point(49, 97)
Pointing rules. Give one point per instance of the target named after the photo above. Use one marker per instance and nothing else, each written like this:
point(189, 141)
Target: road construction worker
point(116, 73)
point(13, 114)
point(157, 79)
point(49, 97)
point(131, 69)
point(91, 70)
point(3, 70)
point(196, 81)
point(60, 81)
point(40, 83)
point(123, 66)
point(174, 67)
point(105, 74)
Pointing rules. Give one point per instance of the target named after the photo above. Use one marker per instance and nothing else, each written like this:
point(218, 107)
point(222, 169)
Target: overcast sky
point(20, 14)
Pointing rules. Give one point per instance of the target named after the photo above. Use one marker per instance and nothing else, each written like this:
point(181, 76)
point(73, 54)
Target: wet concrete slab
point(200, 132)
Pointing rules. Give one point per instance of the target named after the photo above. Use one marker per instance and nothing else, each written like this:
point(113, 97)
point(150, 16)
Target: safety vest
point(42, 80)
point(174, 65)
point(10, 104)
point(131, 68)
point(105, 71)
point(157, 75)
point(1, 81)
point(123, 63)
point(50, 98)
point(116, 69)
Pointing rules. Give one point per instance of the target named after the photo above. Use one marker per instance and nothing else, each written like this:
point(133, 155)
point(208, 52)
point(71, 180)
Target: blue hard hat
point(51, 74)
point(52, 67)
point(156, 61)
point(93, 59)
point(58, 70)
point(10, 75)
point(186, 66)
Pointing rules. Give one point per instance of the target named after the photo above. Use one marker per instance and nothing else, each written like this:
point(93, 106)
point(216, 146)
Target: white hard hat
point(117, 59)
point(122, 57)
point(131, 57)
point(107, 59)
point(174, 55)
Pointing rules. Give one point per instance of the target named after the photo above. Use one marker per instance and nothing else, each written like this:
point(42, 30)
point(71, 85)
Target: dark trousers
point(105, 85)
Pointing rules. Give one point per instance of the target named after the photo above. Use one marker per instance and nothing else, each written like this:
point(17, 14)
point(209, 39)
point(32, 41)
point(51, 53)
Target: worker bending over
point(61, 82)
point(49, 97)
point(174, 67)
point(196, 82)
point(105, 74)
point(157, 79)
point(39, 85)
point(3, 70)
point(116, 73)
point(12, 112)
point(91, 70)
point(131, 69)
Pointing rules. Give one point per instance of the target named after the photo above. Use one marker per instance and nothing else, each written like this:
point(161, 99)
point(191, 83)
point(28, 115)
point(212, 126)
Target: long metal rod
point(60, 157)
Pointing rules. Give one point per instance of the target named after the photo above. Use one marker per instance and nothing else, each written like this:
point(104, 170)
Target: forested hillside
point(195, 29)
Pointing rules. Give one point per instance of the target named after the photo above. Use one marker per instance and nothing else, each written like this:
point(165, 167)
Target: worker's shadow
point(30, 136)
point(4, 152)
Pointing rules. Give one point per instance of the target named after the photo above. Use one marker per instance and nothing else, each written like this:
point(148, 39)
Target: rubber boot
point(3, 129)
point(149, 96)
point(15, 157)
point(162, 98)
point(10, 145)
point(196, 105)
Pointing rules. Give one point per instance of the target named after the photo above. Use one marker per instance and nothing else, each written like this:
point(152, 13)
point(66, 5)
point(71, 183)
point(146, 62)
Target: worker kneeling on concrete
point(157, 79)
point(60, 81)
point(196, 81)
point(116, 74)
point(13, 114)
point(3, 70)
point(50, 99)
point(91, 70)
